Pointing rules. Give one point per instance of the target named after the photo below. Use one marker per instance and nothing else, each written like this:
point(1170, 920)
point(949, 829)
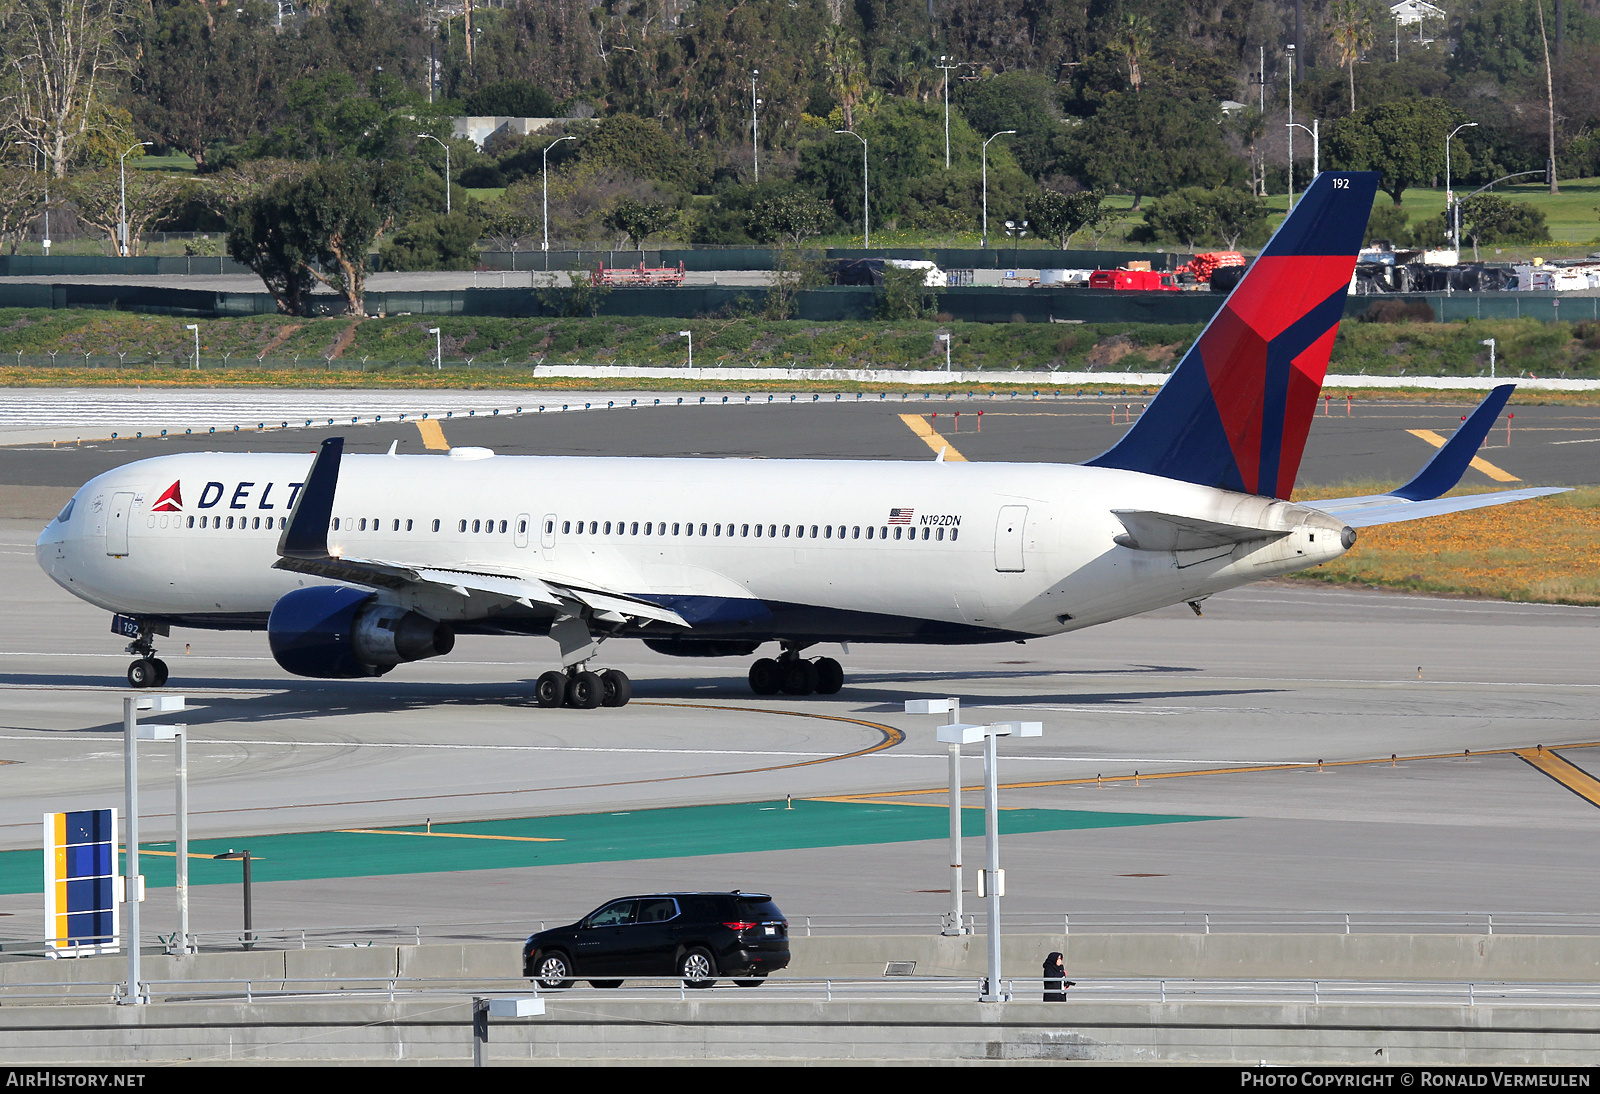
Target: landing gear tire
point(551, 690)
point(586, 691)
point(144, 673)
point(766, 677)
point(830, 676)
point(799, 677)
point(618, 689)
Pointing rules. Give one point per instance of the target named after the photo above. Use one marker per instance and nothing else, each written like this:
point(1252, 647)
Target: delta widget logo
point(171, 501)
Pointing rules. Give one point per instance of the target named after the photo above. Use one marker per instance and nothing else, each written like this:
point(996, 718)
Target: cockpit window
point(66, 513)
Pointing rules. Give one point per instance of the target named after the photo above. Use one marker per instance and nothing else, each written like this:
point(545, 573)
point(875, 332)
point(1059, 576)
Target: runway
point(1223, 718)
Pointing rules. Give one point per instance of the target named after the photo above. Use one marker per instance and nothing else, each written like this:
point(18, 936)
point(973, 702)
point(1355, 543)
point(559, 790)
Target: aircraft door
point(117, 526)
point(522, 529)
point(1008, 531)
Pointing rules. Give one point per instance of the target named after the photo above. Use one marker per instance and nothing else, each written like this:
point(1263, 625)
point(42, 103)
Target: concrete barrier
point(584, 1027)
point(1395, 957)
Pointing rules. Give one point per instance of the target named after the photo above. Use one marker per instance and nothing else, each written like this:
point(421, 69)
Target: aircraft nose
point(51, 547)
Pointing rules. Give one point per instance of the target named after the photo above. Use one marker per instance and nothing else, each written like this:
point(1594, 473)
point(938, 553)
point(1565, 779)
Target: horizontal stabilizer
point(1165, 532)
point(1390, 509)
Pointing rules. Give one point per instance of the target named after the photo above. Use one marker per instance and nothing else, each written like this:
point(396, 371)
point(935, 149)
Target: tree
point(319, 227)
point(1197, 213)
point(64, 60)
point(21, 198)
point(1402, 140)
point(1151, 143)
point(1060, 216)
point(98, 197)
point(639, 220)
point(1350, 26)
point(436, 241)
point(1490, 218)
point(792, 215)
point(510, 99)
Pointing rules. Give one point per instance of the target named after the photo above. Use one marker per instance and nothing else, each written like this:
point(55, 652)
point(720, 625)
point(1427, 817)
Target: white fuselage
point(804, 549)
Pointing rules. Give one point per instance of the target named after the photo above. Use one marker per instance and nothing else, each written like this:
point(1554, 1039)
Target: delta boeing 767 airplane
point(354, 564)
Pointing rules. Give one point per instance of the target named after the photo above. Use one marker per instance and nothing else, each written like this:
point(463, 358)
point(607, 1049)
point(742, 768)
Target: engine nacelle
point(336, 632)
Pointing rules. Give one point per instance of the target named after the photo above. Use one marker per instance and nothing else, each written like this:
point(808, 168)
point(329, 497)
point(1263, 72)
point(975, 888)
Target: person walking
point(1055, 978)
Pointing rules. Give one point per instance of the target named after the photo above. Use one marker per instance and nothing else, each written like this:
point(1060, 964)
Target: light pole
point(122, 165)
point(1290, 48)
point(1316, 143)
point(438, 347)
point(44, 159)
point(955, 921)
point(755, 131)
point(1449, 194)
point(446, 148)
point(196, 328)
point(945, 338)
point(991, 879)
point(179, 736)
point(689, 334)
point(133, 881)
point(1002, 133)
point(1016, 231)
point(947, 68)
point(866, 215)
point(1490, 343)
point(546, 245)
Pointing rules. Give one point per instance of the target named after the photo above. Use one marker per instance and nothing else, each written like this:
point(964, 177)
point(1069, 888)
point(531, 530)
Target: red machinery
point(1202, 266)
point(640, 275)
point(1158, 280)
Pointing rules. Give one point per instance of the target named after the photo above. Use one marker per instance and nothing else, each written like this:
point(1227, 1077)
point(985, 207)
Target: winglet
point(307, 533)
point(1451, 462)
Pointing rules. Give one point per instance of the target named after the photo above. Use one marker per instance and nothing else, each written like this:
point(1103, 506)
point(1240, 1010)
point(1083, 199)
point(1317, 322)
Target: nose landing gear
point(794, 675)
point(149, 671)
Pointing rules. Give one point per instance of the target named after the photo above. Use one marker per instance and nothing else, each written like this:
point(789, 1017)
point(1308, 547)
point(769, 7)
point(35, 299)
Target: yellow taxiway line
point(432, 435)
point(1563, 771)
point(1478, 462)
point(932, 437)
point(448, 835)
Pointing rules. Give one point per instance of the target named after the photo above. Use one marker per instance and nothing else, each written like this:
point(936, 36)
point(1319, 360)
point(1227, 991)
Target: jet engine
point(337, 632)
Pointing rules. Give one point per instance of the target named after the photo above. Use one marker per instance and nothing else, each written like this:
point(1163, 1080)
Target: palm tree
point(1350, 26)
point(1133, 42)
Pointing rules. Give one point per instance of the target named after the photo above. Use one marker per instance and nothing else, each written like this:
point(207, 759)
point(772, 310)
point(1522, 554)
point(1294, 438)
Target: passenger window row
point(241, 523)
point(750, 531)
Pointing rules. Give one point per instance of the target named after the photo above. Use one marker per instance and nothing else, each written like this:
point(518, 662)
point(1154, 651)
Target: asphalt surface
point(1225, 718)
point(1547, 444)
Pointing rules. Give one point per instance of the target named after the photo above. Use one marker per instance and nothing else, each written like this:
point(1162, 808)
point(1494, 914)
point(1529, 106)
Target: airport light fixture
point(545, 246)
point(1316, 144)
point(178, 735)
point(438, 347)
point(991, 879)
point(1002, 133)
point(955, 920)
point(1290, 49)
point(945, 338)
point(133, 881)
point(122, 218)
point(866, 216)
point(446, 148)
point(44, 159)
point(249, 928)
point(484, 1008)
point(755, 130)
point(689, 334)
point(1452, 211)
point(1490, 343)
point(196, 328)
point(946, 67)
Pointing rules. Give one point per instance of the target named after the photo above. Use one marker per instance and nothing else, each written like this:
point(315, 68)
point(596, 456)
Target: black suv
point(698, 936)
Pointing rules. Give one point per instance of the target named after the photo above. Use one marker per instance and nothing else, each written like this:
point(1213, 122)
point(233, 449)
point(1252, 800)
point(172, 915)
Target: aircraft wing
point(1421, 497)
point(303, 548)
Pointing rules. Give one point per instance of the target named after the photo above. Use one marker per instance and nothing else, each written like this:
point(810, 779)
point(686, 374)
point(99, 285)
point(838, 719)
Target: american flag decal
point(900, 516)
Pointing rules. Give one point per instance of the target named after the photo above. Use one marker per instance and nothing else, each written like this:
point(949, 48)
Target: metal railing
point(1151, 990)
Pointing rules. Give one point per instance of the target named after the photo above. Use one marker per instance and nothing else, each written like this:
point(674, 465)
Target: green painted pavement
point(584, 837)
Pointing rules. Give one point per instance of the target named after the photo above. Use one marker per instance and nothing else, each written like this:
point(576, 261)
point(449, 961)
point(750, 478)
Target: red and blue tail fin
point(1236, 410)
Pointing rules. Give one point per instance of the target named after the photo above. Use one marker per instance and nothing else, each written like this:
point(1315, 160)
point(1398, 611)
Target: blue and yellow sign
point(80, 883)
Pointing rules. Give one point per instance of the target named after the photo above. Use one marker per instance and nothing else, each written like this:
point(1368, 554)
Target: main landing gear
point(149, 671)
point(582, 689)
point(794, 675)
